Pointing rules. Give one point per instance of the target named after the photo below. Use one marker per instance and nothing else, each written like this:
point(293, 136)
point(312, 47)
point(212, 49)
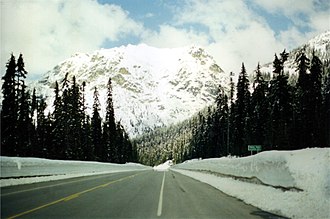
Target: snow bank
point(307, 170)
point(164, 166)
point(18, 170)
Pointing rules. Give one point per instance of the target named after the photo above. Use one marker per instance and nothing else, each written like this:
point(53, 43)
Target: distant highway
point(138, 194)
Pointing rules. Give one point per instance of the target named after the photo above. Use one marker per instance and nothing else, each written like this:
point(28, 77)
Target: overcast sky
point(232, 31)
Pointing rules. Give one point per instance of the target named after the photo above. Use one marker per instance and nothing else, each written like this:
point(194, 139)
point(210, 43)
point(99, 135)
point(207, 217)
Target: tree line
point(66, 133)
point(277, 114)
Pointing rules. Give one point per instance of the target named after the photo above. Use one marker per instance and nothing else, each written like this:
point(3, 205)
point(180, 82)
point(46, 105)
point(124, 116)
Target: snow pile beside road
point(164, 166)
point(299, 181)
point(18, 170)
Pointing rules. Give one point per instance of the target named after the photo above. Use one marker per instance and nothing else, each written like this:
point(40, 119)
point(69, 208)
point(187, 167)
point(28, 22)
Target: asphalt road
point(141, 194)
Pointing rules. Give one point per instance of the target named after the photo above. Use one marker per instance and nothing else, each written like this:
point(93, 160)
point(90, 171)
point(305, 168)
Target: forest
point(274, 112)
point(66, 133)
point(271, 111)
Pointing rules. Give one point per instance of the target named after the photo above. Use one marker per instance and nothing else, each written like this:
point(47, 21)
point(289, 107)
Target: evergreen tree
point(326, 109)
point(121, 144)
point(58, 124)
point(9, 111)
point(96, 127)
point(87, 146)
point(73, 135)
point(210, 135)
point(129, 149)
point(33, 117)
point(75, 121)
point(303, 95)
point(241, 114)
point(303, 64)
point(42, 145)
point(109, 129)
point(33, 106)
point(280, 107)
point(259, 109)
point(316, 102)
point(20, 72)
point(221, 124)
point(24, 123)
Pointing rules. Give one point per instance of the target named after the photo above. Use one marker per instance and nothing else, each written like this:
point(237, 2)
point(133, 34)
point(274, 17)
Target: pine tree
point(75, 121)
point(221, 124)
point(280, 107)
point(316, 101)
point(20, 72)
point(109, 129)
point(210, 135)
point(24, 123)
point(33, 106)
point(9, 111)
point(241, 114)
point(96, 127)
point(33, 116)
point(259, 108)
point(42, 145)
point(326, 108)
point(303, 64)
point(87, 146)
point(303, 95)
point(59, 126)
point(120, 144)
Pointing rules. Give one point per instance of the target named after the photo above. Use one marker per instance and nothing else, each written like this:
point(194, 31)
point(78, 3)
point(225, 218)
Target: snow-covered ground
point(17, 170)
point(295, 184)
point(164, 166)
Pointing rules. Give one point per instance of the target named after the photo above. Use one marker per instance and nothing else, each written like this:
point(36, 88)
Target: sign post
point(252, 148)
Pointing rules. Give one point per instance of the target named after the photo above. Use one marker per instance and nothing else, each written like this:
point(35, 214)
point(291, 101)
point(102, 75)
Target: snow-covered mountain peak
point(320, 44)
point(151, 86)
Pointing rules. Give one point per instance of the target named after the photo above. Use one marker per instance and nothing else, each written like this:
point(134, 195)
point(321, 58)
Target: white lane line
point(160, 202)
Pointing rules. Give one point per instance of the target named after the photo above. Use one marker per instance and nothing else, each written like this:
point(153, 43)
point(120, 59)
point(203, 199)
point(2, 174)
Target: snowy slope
point(151, 86)
point(320, 44)
point(295, 184)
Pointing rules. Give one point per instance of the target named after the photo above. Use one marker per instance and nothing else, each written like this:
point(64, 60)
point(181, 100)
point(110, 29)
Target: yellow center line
point(73, 196)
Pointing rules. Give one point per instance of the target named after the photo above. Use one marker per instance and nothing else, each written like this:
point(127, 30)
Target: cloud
point(237, 34)
point(170, 36)
point(149, 15)
point(47, 32)
point(312, 14)
point(235, 31)
point(251, 45)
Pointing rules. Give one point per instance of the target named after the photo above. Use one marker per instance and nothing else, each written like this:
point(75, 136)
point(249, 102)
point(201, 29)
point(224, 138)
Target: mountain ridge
point(155, 87)
point(152, 87)
point(319, 44)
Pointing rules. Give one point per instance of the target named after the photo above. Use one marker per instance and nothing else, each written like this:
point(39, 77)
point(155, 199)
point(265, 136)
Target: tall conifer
point(9, 110)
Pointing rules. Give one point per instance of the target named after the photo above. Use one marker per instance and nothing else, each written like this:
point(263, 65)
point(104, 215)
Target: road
point(140, 194)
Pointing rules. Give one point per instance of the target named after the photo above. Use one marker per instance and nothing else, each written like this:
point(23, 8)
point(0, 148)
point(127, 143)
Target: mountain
point(320, 44)
point(152, 87)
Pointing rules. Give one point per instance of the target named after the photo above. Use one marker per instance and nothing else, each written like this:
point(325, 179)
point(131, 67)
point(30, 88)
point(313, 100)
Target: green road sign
point(254, 147)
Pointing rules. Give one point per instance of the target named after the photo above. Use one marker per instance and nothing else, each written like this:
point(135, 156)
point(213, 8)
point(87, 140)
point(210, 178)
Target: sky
point(47, 32)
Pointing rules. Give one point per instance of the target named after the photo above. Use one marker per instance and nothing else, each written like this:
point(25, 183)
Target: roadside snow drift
point(295, 184)
point(164, 166)
point(18, 170)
